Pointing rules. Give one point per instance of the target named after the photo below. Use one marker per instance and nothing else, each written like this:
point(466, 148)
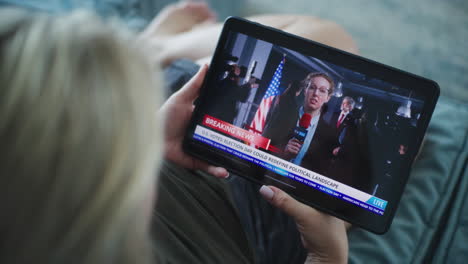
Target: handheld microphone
point(300, 132)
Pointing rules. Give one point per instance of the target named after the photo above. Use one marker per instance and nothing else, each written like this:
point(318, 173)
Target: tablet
point(336, 131)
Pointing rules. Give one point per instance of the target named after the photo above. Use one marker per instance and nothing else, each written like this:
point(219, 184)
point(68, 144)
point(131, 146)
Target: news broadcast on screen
point(309, 122)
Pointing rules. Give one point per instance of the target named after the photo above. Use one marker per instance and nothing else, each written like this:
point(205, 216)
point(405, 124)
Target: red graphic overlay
point(248, 137)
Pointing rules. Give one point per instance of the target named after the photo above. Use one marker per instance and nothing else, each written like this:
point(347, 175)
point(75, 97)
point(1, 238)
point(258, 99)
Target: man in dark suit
point(315, 151)
point(343, 121)
point(344, 162)
point(229, 93)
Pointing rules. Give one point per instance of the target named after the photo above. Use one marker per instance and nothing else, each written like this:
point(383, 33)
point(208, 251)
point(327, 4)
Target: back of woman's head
point(79, 143)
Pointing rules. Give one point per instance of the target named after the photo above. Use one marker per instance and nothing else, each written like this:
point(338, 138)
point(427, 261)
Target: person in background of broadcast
point(314, 152)
point(343, 118)
point(227, 93)
point(344, 162)
point(251, 83)
point(245, 88)
point(283, 107)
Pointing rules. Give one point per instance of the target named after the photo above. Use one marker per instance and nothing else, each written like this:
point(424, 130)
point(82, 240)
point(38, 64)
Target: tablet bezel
point(348, 212)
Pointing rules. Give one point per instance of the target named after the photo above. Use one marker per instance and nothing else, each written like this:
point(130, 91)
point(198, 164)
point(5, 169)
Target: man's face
point(346, 106)
point(316, 94)
point(402, 149)
point(237, 70)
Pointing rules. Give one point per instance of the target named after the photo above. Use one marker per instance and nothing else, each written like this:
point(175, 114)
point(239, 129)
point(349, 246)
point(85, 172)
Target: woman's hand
point(324, 236)
point(177, 111)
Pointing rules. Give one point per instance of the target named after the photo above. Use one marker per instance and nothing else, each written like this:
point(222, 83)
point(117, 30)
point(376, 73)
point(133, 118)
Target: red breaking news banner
point(237, 132)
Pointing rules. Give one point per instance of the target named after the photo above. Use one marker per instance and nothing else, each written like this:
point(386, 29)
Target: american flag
point(258, 123)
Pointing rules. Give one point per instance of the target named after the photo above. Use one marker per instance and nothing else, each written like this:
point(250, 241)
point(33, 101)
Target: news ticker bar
point(290, 170)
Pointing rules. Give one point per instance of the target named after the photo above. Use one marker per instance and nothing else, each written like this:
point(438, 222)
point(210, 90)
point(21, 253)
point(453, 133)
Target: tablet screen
point(313, 126)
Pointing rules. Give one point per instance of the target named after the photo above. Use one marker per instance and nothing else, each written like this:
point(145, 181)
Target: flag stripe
point(258, 123)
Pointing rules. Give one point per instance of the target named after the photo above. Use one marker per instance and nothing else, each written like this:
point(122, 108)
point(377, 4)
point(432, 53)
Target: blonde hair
point(79, 141)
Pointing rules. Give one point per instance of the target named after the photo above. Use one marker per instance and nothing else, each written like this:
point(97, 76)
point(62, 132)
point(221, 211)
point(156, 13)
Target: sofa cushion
point(432, 197)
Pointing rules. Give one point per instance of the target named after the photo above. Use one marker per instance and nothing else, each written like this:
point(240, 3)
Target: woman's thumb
point(285, 202)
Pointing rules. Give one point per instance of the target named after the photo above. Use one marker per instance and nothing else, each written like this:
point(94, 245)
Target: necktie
point(340, 120)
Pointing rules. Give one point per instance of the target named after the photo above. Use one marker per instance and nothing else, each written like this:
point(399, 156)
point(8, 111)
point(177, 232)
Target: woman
point(81, 141)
